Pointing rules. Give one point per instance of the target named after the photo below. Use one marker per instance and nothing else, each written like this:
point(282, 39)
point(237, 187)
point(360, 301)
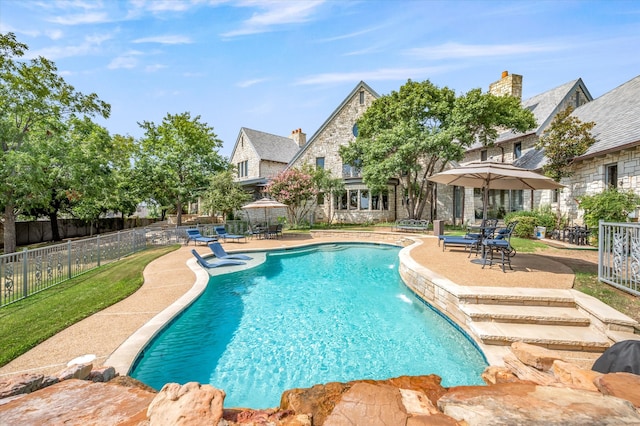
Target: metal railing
point(619, 255)
point(27, 272)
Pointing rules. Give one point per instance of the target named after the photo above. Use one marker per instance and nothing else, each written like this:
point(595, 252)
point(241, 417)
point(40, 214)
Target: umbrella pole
point(485, 201)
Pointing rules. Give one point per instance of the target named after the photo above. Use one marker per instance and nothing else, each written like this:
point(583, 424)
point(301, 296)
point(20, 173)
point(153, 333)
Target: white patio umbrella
point(490, 175)
point(264, 203)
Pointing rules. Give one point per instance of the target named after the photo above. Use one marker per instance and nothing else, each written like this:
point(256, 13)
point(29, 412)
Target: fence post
point(25, 272)
point(69, 258)
point(118, 245)
point(98, 246)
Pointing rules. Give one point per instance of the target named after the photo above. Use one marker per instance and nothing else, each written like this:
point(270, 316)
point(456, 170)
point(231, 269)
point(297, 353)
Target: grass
point(619, 300)
point(28, 322)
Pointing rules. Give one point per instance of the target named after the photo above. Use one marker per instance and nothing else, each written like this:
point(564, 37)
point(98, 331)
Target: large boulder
point(530, 404)
point(189, 404)
point(79, 402)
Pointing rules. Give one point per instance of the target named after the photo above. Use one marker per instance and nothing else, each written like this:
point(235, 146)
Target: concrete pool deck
point(171, 279)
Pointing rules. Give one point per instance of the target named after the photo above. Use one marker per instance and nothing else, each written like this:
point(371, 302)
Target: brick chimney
point(299, 137)
point(509, 84)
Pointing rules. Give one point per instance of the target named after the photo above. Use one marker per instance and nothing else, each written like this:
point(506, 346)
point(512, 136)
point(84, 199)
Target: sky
point(276, 66)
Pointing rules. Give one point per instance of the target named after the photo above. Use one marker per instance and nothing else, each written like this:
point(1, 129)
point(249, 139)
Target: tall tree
point(180, 157)
point(566, 138)
point(412, 133)
point(224, 195)
point(33, 97)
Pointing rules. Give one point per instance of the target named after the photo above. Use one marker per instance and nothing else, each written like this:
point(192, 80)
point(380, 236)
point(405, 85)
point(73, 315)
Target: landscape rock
point(79, 402)
point(271, 417)
point(575, 377)
point(530, 404)
point(621, 385)
point(535, 356)
point(527, 373)
point(102, 374)
point(495, 374)
point(75, 371)
point(189, 404)
point(23, 383)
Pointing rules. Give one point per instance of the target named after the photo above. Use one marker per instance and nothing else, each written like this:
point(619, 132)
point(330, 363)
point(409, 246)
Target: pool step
point(520, 297)
point(542, 315)
point(559, 337)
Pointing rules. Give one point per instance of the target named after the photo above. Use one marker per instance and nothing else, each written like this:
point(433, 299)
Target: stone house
point(357, 204)
point(461, 205)
point(259, 156)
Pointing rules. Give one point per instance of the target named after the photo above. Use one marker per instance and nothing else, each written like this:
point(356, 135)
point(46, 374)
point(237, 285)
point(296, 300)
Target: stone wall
point(244, 151)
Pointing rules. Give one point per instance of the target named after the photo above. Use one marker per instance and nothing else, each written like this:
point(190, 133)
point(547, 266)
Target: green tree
point(611, 205)
point(412, 133)
point(566, 138)
point(295, 188)
point(179, 157)
point(33, 100)
point(224, 195)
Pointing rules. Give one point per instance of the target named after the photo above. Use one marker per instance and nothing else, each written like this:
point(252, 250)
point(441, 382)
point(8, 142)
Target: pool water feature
point(307, 316)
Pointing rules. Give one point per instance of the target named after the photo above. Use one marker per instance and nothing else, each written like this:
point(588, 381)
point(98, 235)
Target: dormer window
point(362, 97)
point(483, 155)
point(517, 150)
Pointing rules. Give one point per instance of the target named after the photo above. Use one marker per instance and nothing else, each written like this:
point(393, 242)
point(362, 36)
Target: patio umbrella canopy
point(264, 203)
point(490, 175)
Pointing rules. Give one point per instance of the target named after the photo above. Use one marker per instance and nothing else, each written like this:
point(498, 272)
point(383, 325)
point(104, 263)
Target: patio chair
point(500, 243)
point(274, 231)
point(220, 253)
point(195, 236)
point(222, 233)
point(222, 262)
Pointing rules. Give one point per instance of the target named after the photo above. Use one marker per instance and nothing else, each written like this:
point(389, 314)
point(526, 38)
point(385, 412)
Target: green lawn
point(28, 322)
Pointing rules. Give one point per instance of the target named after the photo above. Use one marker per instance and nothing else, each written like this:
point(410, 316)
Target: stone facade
point(358, 205)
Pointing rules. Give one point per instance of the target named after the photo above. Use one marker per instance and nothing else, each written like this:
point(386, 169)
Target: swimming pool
point(307, 316)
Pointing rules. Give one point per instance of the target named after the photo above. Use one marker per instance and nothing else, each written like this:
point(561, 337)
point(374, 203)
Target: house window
point(319, 162)
point(364, 199)
point(517, 150)
point(354, 130)
point(353, 200)
point(483, 155)
point(320, 199)
point(243, 168)
point(362, 97)
point(611, 178)
point(343, 201)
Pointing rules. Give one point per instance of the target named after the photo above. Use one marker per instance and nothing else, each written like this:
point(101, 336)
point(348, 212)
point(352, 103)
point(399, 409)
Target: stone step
point(526, 314)
point(560, 337)
point(519, 296)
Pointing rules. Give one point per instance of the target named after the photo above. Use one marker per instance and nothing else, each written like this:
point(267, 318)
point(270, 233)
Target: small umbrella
point(490, 175)
point(264, 203)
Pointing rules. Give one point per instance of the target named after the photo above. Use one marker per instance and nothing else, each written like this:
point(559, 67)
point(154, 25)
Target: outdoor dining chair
point(500, 243)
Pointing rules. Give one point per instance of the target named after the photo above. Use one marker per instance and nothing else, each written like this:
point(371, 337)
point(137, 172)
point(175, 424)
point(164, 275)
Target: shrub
point(611, 205)
point(528, 220)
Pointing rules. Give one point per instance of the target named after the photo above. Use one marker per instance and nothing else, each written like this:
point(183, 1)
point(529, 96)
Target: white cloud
point(168, 39)
point(249, 83)
point(277, 14)
point(54, 34)
point(81, 19)
point(89, 45)
point(154, 67)
point(458, 50)
point(126, 62)
point(384, 74)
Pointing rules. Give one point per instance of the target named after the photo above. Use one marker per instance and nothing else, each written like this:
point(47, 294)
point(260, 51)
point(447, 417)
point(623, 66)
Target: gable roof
point(544, 107)
point(359, 86)
point(617, 118)
point(269, 147)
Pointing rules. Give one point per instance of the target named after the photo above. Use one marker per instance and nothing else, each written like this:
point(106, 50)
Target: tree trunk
point(55, 230)
point(9, 229)
point(179, 213)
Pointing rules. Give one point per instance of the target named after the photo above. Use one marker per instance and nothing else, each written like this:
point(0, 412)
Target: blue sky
point(276, 66)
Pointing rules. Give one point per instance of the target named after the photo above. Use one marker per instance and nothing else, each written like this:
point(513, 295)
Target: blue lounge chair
point(222, 233)
point(220, 252)
point(222, 262)
point(195, 236)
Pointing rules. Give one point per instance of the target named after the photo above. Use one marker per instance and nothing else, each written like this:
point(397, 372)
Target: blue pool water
point(309, 316)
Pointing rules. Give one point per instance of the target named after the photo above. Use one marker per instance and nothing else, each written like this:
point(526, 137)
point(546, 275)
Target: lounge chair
point(501, 243)
point(222, 233)
point(222, 262)
point(220, 253)
point(195, 236)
